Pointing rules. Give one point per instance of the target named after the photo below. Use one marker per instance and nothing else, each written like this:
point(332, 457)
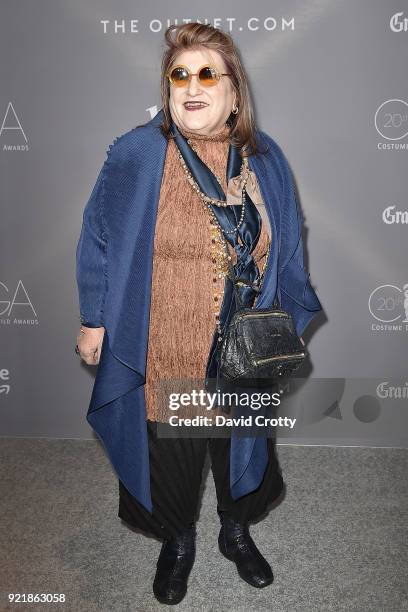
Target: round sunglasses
point(208, 76)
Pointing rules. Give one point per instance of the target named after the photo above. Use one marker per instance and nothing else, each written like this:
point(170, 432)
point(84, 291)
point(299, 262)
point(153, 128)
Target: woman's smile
point(194, 106)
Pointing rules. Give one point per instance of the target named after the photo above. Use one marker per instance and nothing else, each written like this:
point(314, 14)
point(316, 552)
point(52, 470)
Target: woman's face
point(218, 100)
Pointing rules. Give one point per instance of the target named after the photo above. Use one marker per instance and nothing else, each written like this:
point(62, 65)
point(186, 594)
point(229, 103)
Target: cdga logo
point(19, 303)
point(391, 119)
point(389, 304)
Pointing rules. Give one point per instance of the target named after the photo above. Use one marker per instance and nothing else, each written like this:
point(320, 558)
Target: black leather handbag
point(259, 345)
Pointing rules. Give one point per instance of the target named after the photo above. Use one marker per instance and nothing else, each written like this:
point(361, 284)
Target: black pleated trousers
point(176, 466)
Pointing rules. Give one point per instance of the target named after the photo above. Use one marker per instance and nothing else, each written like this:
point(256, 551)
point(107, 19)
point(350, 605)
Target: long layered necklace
point(218, 232)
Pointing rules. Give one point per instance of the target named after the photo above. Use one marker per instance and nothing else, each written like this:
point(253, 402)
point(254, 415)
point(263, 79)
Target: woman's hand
point(89, 342)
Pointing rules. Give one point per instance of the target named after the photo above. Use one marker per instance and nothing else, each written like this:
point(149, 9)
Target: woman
point(154, 294)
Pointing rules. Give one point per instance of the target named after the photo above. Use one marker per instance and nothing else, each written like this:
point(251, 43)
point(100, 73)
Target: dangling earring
point(235, 109)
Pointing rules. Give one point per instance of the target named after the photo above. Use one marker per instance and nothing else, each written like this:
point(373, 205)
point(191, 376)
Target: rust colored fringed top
point(187, 282)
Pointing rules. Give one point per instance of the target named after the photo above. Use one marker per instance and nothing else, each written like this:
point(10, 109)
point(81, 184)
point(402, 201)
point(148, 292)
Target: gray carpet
point(336, 539)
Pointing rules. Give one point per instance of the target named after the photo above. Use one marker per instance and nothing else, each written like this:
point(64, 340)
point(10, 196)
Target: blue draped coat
point(114, 259)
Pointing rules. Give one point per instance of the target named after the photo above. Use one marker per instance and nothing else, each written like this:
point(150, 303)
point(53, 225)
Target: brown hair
point(193, 36)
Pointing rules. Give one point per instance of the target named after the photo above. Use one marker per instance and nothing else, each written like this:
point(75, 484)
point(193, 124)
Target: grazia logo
point(399, 23)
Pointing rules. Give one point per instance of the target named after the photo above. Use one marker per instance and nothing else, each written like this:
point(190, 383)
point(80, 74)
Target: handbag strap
point(235, 280)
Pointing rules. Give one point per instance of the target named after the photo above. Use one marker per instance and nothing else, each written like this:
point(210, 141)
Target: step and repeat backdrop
point(328, 82)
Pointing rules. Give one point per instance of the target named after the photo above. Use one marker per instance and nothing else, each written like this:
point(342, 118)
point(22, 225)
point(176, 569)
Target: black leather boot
point(174, 564)
point(236, 544)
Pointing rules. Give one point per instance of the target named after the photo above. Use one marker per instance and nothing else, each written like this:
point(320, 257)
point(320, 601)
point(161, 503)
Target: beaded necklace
point(206, 199)
point(217, 232)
